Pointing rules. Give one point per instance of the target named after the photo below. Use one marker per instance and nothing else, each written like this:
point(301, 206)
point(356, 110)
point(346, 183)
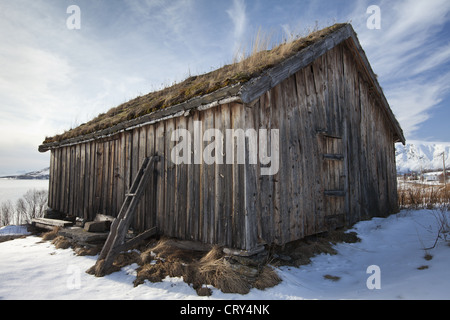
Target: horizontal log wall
point(337, 165)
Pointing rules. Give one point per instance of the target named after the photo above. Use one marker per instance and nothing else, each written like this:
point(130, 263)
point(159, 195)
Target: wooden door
point(334, 181)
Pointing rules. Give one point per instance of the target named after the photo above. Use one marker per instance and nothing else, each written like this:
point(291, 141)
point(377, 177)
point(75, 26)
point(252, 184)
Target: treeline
point(32, 204)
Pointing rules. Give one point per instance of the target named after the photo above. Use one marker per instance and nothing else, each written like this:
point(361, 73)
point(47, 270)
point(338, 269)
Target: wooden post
point(445, 175)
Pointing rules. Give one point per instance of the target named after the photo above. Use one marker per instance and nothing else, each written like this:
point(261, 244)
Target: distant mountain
point(414, 156)
point(43, 174)
point(419, 155)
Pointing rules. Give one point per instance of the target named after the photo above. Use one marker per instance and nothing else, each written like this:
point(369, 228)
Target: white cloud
point(404, 52)
point(407, 30)
point(412, 101)
point(438, 57)
point(238, 16)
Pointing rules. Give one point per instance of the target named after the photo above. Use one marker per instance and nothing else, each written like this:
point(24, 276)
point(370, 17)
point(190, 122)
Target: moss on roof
point(196, 86)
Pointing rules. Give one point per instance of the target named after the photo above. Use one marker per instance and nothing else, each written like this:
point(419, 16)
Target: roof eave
point(222, 96)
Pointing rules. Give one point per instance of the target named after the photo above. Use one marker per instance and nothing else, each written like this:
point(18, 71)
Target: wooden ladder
point(115, 243)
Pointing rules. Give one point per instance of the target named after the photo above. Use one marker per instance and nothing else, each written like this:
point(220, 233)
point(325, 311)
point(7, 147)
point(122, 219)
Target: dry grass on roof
point(237, 73)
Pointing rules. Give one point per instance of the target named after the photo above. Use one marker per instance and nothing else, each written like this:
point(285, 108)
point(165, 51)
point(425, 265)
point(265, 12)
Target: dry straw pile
point(200, 269)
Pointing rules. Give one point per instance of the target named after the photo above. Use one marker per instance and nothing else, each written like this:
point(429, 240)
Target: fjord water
point(12, 189)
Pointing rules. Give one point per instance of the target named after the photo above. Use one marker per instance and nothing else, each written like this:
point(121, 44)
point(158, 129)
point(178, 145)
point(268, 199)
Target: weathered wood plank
point(170, 183)
point(266, 199)
point(105, 177)
point(238, 206)
point(208, 181)
point(81, 187)
point(50, 223)
point(251, 177)
point(275, 123)
point(181, 189)
point(219, 171)
point(142, 154)
point(120, 187)
point(160, 178)
point(195, 172)
point(87, 167)
point(135, 164)
point(295, 189)
point(136, 240)
point(72, 178)
point(150, 200)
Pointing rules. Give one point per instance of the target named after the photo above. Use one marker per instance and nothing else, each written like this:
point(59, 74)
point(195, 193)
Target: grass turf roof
point(196, 86)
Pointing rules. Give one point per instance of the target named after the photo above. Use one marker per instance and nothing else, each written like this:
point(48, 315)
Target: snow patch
point(13, 231)
point(32, 269)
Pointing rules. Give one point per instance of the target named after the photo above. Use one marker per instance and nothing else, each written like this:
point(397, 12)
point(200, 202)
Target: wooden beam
point(333, 156)
point(136, 240)
point(334, 193)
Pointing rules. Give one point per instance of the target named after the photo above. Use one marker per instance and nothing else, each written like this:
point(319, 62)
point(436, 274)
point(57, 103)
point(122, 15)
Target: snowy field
point(388, 263)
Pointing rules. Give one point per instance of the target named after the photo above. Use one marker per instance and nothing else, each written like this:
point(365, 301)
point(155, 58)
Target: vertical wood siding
point(337, 165)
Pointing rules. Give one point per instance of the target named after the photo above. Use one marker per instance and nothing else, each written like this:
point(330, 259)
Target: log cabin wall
point(195, 202)
point(337, 165)
point(337, 157)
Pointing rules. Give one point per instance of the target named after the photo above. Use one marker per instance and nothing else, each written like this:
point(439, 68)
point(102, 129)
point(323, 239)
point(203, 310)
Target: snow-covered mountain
point(43, 174)
point(414, 156)
point(419, 155)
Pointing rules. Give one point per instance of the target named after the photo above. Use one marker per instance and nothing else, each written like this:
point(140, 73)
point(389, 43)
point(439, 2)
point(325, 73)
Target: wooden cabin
point(336, 135)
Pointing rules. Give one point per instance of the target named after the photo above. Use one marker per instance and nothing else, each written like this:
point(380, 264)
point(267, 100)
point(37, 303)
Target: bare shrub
point(421, 196)
point(32, 204)
point(35, 203)
point(51, 235)
point(6, 213)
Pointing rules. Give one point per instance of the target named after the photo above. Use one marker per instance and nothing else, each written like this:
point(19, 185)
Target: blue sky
point(53, 78)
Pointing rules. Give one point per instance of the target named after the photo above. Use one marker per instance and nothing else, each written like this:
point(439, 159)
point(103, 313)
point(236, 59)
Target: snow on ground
point(31, 269)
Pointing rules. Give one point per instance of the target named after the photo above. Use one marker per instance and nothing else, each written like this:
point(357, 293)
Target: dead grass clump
point(428, 256)
point(422, 196)
point(300, 252)
point(126, 259)
point(200, 270)
point(168, 250)
point(51, 235)
point(87, 251)
point(331, 277)
point(152, 272)
point(223, 276)
point(268, 278)
point(337, 236)
point(61, 242)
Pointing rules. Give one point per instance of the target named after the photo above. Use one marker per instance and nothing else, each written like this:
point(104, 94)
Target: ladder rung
point(130, 194)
